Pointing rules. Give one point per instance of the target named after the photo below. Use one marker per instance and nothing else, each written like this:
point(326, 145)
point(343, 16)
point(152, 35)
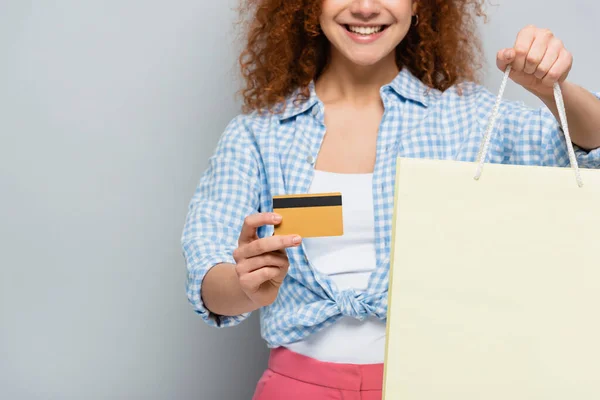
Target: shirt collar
point(405, 84)
point(408, 86)
point(293, 107)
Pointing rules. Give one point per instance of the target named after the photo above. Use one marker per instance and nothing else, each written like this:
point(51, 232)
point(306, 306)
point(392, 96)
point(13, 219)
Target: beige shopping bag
point(494, 282)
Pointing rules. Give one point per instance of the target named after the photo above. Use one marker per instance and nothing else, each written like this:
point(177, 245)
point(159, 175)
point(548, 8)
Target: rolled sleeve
point(535, 137)
point(227, 192)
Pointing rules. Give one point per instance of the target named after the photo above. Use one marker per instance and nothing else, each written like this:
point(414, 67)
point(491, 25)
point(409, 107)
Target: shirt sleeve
point(227, 192)
point(535, 137)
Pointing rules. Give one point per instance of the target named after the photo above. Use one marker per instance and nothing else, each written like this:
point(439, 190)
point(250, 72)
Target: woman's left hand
point(538, 60)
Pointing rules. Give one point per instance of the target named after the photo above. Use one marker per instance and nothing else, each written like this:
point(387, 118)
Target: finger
point(278, 279)
point(266, 245)
point(522, 45)
point(504, 58)
point(537, 50)
point(274, 273)
point(559, 71)
point(253, 280)
point(281, 251)
point(253, 222)
point(551, 56)
point(265, 260)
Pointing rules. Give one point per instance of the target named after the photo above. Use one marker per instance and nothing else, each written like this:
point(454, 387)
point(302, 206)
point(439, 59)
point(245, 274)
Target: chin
point(365, 60)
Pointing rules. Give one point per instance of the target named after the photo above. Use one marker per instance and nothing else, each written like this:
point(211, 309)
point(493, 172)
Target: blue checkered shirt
point(260, 156)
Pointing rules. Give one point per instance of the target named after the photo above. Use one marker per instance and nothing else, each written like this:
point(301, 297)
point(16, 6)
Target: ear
point(414, 7)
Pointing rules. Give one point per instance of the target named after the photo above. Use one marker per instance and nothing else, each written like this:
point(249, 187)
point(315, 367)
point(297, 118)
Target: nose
point(365, 9)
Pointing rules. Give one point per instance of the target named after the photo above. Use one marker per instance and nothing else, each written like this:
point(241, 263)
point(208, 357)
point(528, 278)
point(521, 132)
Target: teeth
point(365, 30)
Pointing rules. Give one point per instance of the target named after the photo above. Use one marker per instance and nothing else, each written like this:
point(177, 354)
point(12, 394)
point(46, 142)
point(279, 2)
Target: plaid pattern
point(260, 156)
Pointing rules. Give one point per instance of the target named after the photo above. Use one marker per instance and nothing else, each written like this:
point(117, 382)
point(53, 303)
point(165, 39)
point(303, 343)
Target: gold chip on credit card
point(309, 215)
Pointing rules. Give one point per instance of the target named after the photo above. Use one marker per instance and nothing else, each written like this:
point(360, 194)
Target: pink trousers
point(292, 376)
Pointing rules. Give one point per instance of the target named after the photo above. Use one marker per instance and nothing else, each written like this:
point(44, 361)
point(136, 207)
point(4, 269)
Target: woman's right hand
point(262, 263)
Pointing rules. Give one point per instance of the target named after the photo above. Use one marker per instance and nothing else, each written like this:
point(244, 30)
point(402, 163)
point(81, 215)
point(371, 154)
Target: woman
point(335, 91)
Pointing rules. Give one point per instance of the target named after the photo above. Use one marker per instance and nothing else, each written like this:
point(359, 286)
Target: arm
point(583, 114)
point(533, 136)
point(228, 191)
point(538, 61)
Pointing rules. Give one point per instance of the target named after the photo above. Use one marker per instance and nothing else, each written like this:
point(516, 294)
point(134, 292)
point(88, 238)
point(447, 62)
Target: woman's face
point(366, 31)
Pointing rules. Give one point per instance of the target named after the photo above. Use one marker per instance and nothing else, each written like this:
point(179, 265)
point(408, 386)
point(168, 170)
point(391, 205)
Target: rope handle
point(484, 148)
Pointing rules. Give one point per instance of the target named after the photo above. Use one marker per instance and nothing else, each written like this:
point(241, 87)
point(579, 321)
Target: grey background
point(109, 111)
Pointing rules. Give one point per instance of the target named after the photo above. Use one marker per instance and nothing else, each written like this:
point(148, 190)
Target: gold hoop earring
point(416, 22)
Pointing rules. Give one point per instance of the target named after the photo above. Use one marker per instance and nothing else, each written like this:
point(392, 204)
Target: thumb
point(504, 58)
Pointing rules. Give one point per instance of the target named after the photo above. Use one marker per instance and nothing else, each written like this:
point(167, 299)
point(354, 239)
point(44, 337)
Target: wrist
point(222, 292)
point(546, 95)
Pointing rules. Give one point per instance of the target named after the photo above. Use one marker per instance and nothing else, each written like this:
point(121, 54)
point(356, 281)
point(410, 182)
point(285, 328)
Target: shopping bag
point(494, 281)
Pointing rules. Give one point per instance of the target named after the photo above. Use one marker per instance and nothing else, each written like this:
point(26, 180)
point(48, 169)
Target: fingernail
point(508, 53)
point(276, 217)
point(296, 239)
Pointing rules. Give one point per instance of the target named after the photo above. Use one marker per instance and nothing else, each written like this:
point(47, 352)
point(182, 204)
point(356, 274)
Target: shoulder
point(249, 127)
point(468, 92)
point(476, 100)
point(255, 135)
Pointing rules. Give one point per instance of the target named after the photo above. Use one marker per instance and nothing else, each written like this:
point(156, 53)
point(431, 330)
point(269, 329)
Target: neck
point(343, 81)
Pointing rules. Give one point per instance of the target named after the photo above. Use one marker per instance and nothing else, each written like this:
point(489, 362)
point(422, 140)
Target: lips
point(365, 30)
point(365, 34)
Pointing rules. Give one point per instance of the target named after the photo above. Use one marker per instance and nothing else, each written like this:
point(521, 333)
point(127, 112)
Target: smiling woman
point(336, 91)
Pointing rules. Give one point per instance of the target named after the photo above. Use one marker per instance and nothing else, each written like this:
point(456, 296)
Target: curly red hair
point(286, 50)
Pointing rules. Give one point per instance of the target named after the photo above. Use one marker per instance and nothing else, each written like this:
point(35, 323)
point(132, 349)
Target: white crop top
point(348, 260)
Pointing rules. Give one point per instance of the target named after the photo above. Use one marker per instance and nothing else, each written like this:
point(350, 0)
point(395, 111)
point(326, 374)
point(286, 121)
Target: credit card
point(309, 215)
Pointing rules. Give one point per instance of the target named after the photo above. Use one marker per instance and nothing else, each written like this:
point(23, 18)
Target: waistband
point(333, 375)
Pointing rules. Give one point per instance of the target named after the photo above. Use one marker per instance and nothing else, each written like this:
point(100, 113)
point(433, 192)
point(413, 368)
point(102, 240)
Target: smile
point(361, 34)
point(365, 30)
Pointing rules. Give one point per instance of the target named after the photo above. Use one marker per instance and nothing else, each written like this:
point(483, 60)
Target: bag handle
point(484, 149)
